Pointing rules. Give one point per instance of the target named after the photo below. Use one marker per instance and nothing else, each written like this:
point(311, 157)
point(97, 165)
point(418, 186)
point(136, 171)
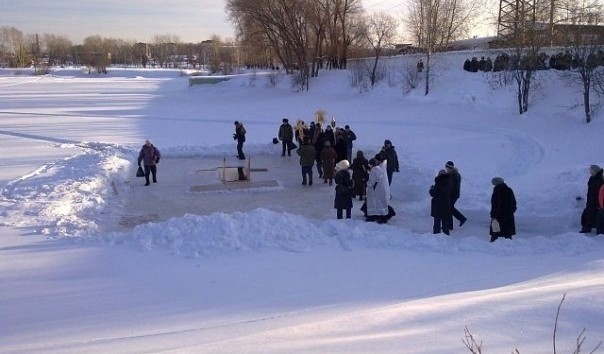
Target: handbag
point(495, 227)
point(140, 172)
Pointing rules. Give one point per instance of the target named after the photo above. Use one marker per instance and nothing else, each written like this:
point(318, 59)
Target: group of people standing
point(331, 150)
point(445, 192)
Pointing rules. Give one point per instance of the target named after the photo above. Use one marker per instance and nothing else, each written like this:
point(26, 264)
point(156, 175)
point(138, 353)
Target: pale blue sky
point(139, 20)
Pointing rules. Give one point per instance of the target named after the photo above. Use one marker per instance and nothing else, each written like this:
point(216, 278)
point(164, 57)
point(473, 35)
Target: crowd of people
point(330, 150)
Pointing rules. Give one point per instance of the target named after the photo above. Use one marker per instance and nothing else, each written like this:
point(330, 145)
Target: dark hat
point(285, 120)
point(347, 126)
point(450, 164)
point(442, 172)
point(373, 162)
point(595, 168)
point(387, 142)
point(497, 181)
point(236, 122)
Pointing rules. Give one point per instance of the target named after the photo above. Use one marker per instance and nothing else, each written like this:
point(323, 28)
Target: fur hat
point(497, 181)
point(595, 168)
point(450, 164)
point(342, 165)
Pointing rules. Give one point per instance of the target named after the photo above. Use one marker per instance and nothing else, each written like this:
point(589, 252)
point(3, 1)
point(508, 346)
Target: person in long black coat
point(455, 193)
point(341, 146)
point(360, 175)
point(344, 186)
point(440, 206)
point(503, 207)
point(589, 215)
point(388, 151)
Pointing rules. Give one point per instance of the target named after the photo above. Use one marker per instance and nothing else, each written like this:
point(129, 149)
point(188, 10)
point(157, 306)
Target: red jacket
point(601, 197)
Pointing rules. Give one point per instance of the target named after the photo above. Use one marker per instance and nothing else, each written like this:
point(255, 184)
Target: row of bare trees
point(24, 50)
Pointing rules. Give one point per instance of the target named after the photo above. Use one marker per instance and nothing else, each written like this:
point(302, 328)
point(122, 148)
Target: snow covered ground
point(93, 261)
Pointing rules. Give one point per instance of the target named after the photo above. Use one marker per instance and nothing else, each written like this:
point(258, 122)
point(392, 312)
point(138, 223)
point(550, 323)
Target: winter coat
point(307, 154)
point(344, 185)
point(455, 184)
point(503, 207)
point(341, 149)
point(377, 194)
point(440, 206)
point(149, 154)
point(328, 157)
point(286, 132)
point(329, 136)
point(589, 216)
point(601, 197)
point(391, 157)
point(239, 133)
point(350, 137)
point(360, 174)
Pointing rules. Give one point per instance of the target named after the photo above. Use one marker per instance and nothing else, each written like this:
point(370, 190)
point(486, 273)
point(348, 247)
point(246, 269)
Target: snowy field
point(91, 260)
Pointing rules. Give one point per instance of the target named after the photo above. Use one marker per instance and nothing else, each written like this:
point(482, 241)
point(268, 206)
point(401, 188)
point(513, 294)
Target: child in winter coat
point(344, 185)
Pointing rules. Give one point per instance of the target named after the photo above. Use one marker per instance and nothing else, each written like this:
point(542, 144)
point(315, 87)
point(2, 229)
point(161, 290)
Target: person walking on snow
point(344, 185)
point(377, 194)
point(240, 137)
point(503, 207)
point(440, 205)
point(360, 174)
point(455, 193)
point(307, 158)
point(286, 136)
point(389, 153)
point(328, 160)
point(589, 215)
point(150, 156)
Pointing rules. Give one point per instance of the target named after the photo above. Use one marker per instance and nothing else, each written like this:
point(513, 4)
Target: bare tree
point(586, 50)
point(164, 45)
point(434, 24)
point(380, 31)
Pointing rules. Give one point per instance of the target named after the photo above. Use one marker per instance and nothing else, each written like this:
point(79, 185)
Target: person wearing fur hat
point(344, 186)
point(455, 193)
point(150, 156)
point(328, 160)
point(392, 159)
point(503, 207)
point(286, 136)
point(240, 137)
point(590, 212)
point(440, 205)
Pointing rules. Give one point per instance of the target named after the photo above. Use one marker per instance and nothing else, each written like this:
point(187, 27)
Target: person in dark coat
point(307, 158)
point(360, 174)
point(503, 207)
point(589, 215)
point(329, 135)
point(341, 145)
point(150, 155)
point(389, 153)
point(240, 137)
point(344, 186)
point(286, 136)
point(455, 193)
point(350, 138)
point(318, 141)
point(440, 206)
point(600, 217)
point(328, 158)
